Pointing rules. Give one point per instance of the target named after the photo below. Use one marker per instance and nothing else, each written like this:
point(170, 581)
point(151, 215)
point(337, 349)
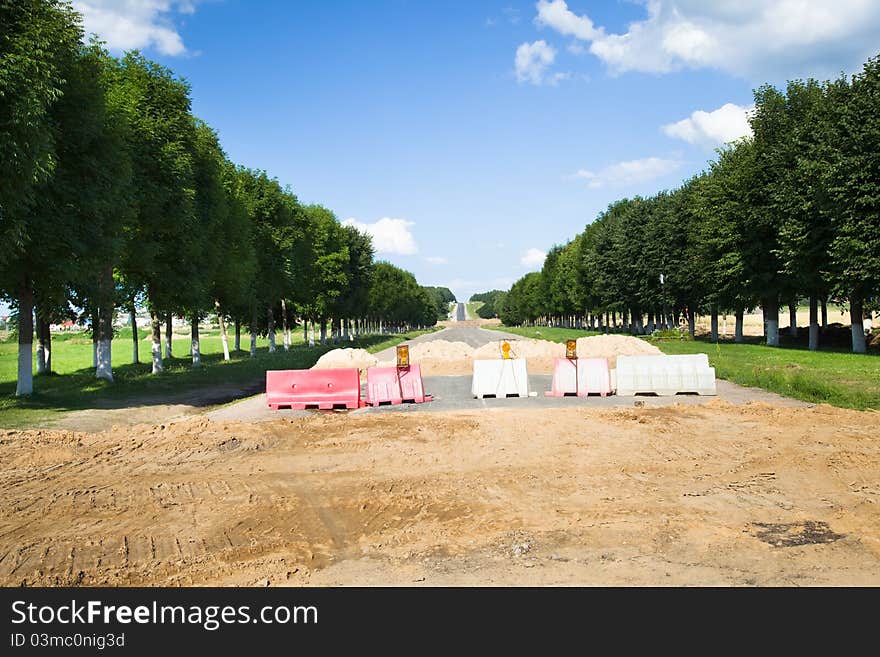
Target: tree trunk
point(270, 317)
point(305, 330)
point(323, 331)
point(169, 330)
point(156, 323)
point(95, 322)
point(738, 329)
point(224, 339)
point(345, 331)
point(47, 345)
point(650, 322)
point(285, 326)
point(713, 312)
point(237, 344)
point(104, 366)
point(254, 333)
point(196, 347)
point(824, 314)
point(692, 322)
point(312, 333)
point(42, 347)
point(770, 309)
point(856, 313)
point(25, 385)
point(792, 320)
point(814, 323)
point(132, 316)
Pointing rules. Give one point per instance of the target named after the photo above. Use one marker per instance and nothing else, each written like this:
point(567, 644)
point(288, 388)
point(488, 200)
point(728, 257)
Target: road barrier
point(507, 377)
point(665, 375)
point(395, 385)
point(323, 389)
point(580, 377)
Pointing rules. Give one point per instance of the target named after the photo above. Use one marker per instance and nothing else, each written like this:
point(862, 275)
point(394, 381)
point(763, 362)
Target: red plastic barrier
point(395, 385)
point(581, 377)
point(324, 389)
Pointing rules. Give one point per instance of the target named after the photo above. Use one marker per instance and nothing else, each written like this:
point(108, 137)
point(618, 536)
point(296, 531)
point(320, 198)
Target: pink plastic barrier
point(395, 385)
point(581, 377)
point(324, 389)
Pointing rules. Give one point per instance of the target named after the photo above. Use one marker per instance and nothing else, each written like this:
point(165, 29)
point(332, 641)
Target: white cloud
point(750, 38)
point(556, 14)
point(728, 123)
point(630, 172)
point(532, 61)
point(129, 24)
point(389, 235)
point(533, 258)
point(437, 260)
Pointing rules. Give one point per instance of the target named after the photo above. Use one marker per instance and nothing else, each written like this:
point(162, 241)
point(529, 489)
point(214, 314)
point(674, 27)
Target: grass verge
point(73, 386)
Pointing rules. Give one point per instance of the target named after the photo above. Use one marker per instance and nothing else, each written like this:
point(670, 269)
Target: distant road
point(459, 313)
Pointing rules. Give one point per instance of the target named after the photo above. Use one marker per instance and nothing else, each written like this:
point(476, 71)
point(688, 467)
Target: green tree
point(39, 44)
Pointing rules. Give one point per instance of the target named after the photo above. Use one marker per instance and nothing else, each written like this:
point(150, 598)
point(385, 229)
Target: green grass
point(841, 379)
point(73, 386)
point(544, 333)
point(833, 377)
point(471, 308)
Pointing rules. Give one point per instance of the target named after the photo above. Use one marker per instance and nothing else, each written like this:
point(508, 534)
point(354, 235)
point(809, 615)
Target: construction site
point(740, 487)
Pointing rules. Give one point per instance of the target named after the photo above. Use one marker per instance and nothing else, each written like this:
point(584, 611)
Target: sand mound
point(360, 358)
point(611, 346)
point(439, 357)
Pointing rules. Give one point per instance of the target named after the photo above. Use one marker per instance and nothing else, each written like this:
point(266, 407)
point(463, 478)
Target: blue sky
point(469, 137)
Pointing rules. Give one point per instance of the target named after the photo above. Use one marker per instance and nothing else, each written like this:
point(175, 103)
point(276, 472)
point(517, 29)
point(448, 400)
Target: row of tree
point(792, 212)
point(113, 196)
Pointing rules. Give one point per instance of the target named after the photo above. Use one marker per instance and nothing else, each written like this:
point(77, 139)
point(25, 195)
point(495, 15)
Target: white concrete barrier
point(500, 378)
point(665, 375)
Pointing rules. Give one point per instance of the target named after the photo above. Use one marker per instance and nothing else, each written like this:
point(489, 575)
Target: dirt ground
point(698, 495)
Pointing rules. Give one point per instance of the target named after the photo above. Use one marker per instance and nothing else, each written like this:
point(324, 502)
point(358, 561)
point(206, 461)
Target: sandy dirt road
point(694, 495)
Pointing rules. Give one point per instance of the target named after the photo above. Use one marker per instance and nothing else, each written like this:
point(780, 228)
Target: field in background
point(832, 377)
point(73, 385)
point(471, 308)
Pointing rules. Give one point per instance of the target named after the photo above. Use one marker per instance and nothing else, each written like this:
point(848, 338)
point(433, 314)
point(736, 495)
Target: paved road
point(471, 335)
point(453, 393)
point(460, 314)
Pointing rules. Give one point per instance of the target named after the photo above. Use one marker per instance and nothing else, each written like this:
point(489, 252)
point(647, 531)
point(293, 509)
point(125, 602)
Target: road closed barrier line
point(322, 389)
point(500, 378)
point(665, 375)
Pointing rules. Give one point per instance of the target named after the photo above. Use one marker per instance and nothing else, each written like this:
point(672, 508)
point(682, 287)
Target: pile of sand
point(611, 346)
point(360, 358)
point(444, 358)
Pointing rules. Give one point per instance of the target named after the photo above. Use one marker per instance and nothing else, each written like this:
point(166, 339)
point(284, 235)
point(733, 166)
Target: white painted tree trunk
point(254, 333)
point(25, 384)
point(814, 323)
point(857, 327)
point(169, 331)
point(771, 322)
point(44, 339)
point(312, 335)
point(156, 345)
point(104, 368)
point(285, 326)
point(195, 344)
point(132, 315)
point(224, 339)
point(271, 320)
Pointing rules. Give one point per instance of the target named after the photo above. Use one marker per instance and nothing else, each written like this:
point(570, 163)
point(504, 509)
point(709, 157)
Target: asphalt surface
point(453, 393)
point(460, 314)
